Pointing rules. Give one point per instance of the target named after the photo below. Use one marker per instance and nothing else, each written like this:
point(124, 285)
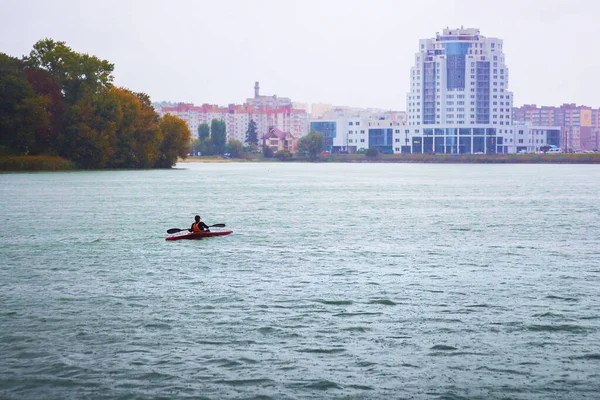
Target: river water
point(358, 281)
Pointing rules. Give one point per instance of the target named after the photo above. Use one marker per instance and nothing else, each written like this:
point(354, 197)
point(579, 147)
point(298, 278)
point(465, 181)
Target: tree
point(175, 142)
point(89, 134)
point(138, 137)
point(372, 152)
point(207, 147)
point(195, 146)
point(218, 135)
point(24, 116)
point(44, 84)
point(267, 152)
point(283, 155)
point(77, 74)
point(235, 148)
point(252, 134)
point(203, 131)
point(311, 145)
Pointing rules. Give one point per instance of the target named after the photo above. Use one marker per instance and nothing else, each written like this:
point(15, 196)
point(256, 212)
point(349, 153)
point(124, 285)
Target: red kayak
point(198, 235)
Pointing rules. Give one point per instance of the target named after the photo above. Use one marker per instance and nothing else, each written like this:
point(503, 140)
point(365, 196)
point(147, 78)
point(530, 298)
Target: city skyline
point(334, 53)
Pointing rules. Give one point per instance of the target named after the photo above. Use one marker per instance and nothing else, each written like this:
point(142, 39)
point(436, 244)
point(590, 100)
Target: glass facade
point(461, 141)
point(327, 129)
point(455, 64)
point(382, 139)
point(553, 137)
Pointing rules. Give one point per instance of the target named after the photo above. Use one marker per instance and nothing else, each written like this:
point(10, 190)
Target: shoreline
point(570, 158)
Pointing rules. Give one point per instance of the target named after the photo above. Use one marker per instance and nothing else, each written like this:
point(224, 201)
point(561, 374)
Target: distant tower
point(256, 90)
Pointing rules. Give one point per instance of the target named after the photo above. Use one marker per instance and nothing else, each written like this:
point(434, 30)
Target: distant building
point(277, 140)
point(266, 111)
point(459, 100)
point(530, 138)
point(350, 134)
point(579, 124)
point(317, 110)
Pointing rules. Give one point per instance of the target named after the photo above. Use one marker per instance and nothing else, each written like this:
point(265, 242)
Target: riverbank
point(571, 158)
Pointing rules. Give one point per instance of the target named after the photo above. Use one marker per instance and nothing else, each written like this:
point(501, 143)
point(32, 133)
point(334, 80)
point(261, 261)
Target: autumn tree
point(89, 136)
point(138, 137)
point(175, 140)
point(23, 114)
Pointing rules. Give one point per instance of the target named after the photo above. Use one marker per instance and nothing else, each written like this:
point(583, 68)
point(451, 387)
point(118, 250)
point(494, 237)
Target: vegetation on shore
point(572, 158)
point(35, 163)
point(59, 103)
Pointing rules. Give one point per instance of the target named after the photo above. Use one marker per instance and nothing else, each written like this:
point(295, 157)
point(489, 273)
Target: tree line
point(59, 102)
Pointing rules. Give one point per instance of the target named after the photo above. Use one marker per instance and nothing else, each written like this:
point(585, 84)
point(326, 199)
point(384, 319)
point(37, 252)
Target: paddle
point(175, 230)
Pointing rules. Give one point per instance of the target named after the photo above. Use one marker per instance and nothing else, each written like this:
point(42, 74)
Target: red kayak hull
point(198, 235)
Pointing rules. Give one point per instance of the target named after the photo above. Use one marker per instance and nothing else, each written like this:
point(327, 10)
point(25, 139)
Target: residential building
point(459, 100)
point(579, 124)
point(277, 140)
point(266, 111)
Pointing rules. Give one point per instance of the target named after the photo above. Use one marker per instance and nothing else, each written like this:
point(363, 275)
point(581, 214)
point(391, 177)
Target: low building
point(277, 139)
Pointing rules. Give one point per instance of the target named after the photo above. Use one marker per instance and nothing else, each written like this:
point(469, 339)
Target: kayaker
point(199, 226)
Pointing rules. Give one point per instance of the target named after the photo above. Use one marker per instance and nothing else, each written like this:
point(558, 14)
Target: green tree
point(77, 74)
point(203, 131)
point(235, 148)
point(175, 140)
point(267, 152)
point(195, 145)
point(311, 145)
point(218, 135)
point(208, 147)
point(252, 134)
point(283, 155)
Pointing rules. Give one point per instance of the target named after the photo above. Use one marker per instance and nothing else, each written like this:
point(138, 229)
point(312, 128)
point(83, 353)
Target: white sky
point(344, 52)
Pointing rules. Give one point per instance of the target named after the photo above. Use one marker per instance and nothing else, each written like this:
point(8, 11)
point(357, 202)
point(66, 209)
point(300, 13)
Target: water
point(361, 281)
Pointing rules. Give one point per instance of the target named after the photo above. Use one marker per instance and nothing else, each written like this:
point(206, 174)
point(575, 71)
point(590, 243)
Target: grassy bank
point(35, 163)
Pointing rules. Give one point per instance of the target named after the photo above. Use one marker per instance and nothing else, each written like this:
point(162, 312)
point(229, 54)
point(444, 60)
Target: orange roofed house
point(278, 140)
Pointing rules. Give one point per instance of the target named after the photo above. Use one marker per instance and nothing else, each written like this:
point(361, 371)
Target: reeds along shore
point(35, 163)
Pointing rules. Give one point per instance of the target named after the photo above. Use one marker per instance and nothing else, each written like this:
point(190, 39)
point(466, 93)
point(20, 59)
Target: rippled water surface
point(361, 281)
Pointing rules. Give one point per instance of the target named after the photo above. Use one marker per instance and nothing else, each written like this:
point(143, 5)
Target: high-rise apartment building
point(579, 124)
point(459, 100)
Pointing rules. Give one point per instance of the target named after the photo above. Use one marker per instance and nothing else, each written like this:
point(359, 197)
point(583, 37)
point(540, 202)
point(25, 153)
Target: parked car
point(554, 150)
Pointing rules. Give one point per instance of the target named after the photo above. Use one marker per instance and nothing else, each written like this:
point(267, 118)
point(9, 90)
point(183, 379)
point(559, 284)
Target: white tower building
point(459, 100)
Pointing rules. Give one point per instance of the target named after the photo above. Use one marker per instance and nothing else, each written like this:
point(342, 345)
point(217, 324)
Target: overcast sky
point(344, 52)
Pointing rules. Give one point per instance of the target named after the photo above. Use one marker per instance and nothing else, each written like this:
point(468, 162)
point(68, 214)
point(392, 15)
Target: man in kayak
point(199, 226)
